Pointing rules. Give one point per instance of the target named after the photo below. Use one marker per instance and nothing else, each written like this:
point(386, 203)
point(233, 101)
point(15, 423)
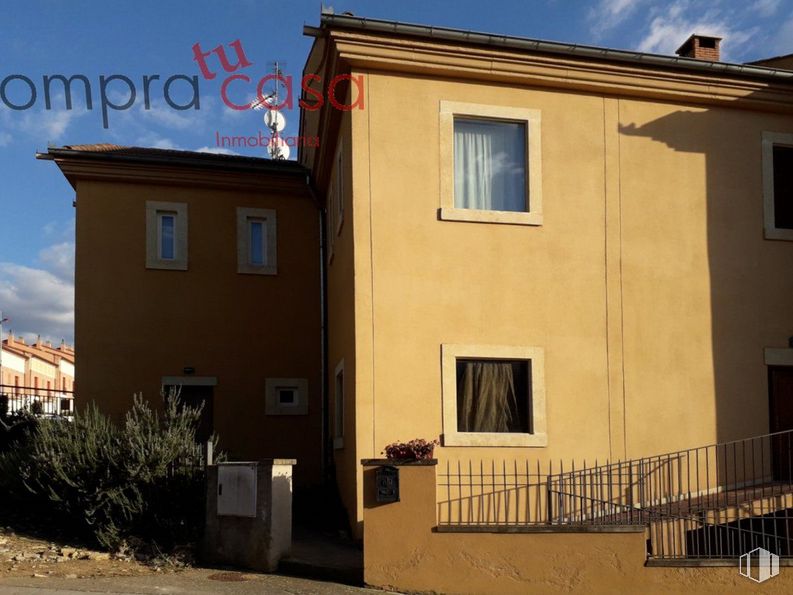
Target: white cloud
point(609, 14)
point(63, 230)
point(216, 151)
point(782, 42)
point(41, 124)
point(163, 115)
point(58, 259)
point(154, 140)
point(670, 27)
point(765, 8)
point(40, 301)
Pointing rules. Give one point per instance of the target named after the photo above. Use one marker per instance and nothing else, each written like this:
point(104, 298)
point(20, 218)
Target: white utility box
point(237, 489)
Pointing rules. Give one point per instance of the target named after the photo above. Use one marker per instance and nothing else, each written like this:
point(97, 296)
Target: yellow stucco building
point(643, 277)
point(535, 252)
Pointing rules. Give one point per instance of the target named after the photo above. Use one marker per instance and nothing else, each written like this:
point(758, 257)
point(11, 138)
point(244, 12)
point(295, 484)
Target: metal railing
point(715, 501)
point(492, 494)
point(15, 400)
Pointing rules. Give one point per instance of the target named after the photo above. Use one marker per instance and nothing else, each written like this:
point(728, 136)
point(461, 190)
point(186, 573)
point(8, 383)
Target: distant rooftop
point(107, 151)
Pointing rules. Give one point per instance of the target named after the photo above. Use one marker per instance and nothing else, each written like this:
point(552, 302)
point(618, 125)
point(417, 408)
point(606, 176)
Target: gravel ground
point(32, 557)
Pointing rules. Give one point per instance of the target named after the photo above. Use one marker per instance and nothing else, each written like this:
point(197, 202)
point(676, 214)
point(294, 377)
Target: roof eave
point(550, 47)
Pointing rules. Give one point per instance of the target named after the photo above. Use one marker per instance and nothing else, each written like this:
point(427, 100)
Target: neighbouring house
point(207, 281)
point(36, 372)
point(571, 264)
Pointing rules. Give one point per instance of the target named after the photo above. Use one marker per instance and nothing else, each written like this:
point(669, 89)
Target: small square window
point(778, 185)
point(256, 241)
point(286, 396)
point(166, 235)
point(493, 396)
point(338, 406)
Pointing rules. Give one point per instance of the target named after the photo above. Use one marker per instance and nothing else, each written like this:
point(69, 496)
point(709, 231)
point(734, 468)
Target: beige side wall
point(403, 552)
point(342, 340)
point(134, 326)
point(652, 245)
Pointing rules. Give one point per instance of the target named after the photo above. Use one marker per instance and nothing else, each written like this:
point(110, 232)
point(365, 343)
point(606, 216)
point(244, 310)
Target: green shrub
point(144, 478)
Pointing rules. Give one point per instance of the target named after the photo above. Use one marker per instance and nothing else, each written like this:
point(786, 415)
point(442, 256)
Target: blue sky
point(148, 37)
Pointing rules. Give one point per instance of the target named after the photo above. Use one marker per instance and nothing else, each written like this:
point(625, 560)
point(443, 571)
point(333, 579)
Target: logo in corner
point(759, 565)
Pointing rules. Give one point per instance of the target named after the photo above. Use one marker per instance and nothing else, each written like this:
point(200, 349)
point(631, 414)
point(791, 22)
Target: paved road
point(187, 582)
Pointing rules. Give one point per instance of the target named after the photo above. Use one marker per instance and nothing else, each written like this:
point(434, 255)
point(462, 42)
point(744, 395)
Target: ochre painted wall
point(342, 337)
point(402, 552)
point(134, 325)
point(649, 285)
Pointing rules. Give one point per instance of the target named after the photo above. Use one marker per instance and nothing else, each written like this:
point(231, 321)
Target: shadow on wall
point(746, 306)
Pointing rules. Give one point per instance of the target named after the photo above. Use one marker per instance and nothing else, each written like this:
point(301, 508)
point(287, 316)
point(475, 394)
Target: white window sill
point(167, 265)
point(481, 216)
point(494, 439)
point(776, 233)
point(250, 269)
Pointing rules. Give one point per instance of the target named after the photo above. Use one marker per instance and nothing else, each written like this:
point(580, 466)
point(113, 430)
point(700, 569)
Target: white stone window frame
point(770, 140)
point(154, 209)
point(339, 406)
point(273, 406)
point(450, 353)
point(268, 216)
point(531, 118)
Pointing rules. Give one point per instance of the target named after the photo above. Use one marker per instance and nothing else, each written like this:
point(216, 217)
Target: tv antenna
point(273, 118)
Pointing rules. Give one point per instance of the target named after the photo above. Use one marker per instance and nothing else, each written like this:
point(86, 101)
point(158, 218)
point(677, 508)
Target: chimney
point(700, 47)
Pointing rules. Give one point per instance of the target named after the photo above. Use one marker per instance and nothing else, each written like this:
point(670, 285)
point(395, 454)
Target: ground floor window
point(493, 396)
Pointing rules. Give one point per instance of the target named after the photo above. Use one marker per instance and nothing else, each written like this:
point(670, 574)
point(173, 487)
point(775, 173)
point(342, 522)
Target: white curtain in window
point(490, 165)
point(486, 398)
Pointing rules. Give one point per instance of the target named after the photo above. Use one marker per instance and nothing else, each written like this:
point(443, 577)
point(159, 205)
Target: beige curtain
point(488, 399)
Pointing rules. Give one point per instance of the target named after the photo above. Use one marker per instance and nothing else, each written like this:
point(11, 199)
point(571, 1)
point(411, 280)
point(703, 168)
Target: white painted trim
point(776, 356)
point(532, 119)
point(268, 216)
point(153, 260)
point(770, 139)
point(189, 380)
point(451, 437)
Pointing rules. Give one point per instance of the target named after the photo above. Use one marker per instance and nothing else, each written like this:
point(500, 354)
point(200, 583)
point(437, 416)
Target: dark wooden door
point(194, 396)
point(780, 388)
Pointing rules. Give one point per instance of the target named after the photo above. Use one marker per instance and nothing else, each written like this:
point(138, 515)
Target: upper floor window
point(166, 235)
point(490, 164)
point(335, 210)
point(256, 241)
point(778, 185)
point(338, 406)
